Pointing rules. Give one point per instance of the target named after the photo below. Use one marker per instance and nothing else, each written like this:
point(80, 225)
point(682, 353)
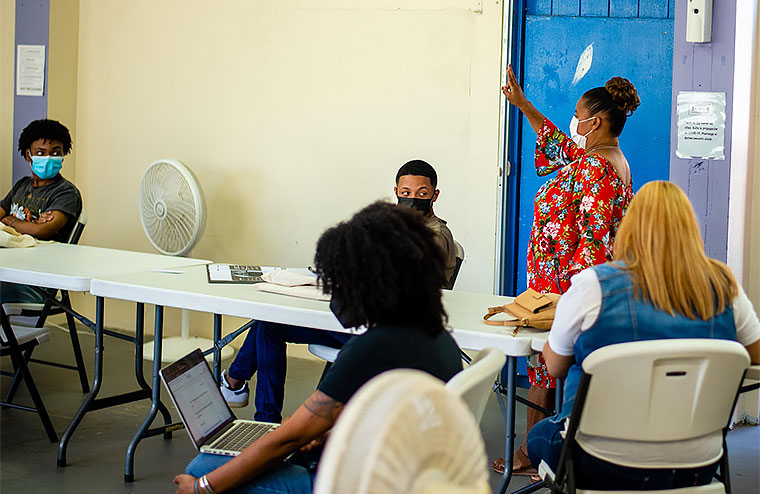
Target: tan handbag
point(530, 308)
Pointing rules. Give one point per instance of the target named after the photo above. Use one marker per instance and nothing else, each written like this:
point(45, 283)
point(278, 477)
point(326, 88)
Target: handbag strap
point(492, 311)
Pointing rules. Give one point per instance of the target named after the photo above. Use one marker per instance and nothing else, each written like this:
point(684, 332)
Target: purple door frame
point(32, 28)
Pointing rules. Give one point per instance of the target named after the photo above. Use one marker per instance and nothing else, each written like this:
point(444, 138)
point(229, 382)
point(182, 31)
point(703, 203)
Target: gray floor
point(96, 452)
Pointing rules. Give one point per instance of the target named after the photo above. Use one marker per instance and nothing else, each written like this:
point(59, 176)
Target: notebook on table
point(212, 426)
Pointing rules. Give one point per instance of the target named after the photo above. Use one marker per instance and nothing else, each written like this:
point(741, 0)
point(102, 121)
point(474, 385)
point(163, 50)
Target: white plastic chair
point(653, 392)
point(404, 431)
point(326, 353)
point(475, 383)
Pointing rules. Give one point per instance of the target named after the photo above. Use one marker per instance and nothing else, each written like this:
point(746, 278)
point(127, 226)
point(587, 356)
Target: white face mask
point(579, 139)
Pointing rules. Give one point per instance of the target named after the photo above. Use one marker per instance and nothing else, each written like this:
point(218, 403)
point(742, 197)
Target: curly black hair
point(50, 130)
point(383, 266)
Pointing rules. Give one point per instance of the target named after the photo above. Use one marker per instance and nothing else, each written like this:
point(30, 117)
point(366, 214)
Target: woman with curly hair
point(576, 213)
point(384, 271)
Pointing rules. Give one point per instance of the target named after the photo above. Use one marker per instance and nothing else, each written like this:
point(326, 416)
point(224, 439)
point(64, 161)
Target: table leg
point(129, 469)
point(139, 374)
point(217, 350)
point(97, 381)
point(508, 411)
point(559, 395)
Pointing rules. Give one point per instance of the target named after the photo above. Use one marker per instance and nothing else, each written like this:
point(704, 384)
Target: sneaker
point(235, 398)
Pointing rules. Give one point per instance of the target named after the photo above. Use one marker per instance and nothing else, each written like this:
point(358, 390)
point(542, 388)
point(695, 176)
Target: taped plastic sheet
point(701, 125)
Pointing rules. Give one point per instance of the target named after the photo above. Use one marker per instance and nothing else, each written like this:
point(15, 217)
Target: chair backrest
point(662, 390)
point(475, 383)
point(404, 431)
point(76, 232)
point(459, 260)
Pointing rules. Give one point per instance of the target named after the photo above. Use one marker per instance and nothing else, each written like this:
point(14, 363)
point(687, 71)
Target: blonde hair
point(660, 243)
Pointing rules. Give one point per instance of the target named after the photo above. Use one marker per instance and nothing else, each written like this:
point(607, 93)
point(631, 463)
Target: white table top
point(537, 343)
point(190, 290)
point(466, 310)
point(71, 267)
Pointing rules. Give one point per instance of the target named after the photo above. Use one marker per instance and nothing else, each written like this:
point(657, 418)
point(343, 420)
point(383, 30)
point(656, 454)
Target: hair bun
point(623, 94)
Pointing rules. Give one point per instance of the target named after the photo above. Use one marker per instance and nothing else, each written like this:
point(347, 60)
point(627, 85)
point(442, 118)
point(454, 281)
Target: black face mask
point(340, 314)
point(422, 205)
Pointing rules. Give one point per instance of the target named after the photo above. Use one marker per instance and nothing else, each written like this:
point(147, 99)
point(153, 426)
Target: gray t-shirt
point(27, 202)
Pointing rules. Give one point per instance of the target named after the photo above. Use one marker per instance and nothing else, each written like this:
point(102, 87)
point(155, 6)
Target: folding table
point(188, 288)
point(71, 267)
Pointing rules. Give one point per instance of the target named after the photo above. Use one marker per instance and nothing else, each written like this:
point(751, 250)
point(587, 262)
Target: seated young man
point(264, 349)
point(405, 305)
point(44, 205)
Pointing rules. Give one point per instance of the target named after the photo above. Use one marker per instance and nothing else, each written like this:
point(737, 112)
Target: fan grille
point(169, 208)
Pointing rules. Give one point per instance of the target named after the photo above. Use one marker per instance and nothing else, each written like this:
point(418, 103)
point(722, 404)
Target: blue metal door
point(628, 38)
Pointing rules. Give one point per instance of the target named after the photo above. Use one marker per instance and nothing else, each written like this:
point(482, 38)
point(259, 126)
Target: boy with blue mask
point(44, 205)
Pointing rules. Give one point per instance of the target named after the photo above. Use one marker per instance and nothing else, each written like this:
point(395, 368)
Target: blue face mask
point(46, 167)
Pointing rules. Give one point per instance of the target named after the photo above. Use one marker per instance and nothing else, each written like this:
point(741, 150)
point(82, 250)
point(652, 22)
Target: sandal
point(521, 466)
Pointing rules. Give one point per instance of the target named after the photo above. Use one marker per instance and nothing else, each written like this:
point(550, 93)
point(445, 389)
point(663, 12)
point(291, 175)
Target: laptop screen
point(197, 397)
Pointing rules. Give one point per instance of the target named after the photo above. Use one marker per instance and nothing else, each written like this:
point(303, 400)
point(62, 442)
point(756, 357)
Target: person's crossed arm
point(46, 227)
point(311, 421)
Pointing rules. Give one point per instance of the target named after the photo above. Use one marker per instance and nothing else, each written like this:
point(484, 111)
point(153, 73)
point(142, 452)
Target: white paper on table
point(304, 291)
point(288, 277)
point(30, 70)
point(701, 125)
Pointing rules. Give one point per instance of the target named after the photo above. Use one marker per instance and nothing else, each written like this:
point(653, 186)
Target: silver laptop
point(208, 419)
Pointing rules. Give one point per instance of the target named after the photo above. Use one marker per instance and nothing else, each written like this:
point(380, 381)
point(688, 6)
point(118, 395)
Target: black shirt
point(386, 347)
point(27, 202)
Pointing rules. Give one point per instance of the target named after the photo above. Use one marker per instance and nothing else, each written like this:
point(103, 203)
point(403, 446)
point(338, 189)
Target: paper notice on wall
point(30, 70)
point(701, 125)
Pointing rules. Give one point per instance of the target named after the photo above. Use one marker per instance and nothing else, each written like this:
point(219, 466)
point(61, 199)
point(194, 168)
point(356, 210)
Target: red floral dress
point(575, 218)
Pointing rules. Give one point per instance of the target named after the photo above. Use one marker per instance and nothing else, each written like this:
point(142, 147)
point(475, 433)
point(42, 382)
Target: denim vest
point(623, 317)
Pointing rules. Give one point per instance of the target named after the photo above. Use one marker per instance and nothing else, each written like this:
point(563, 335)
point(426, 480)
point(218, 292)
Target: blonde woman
point(661, 275)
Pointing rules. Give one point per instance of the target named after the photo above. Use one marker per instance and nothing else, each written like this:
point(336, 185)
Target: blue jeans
point(284, 478)
point(13, 292)
point(264, 351)
point(545, 443)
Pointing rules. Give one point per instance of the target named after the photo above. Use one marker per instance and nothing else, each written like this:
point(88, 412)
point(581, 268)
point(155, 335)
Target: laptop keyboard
point(243, 434)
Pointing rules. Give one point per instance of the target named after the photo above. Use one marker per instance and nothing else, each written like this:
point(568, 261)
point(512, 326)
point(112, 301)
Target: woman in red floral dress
point(577, 212)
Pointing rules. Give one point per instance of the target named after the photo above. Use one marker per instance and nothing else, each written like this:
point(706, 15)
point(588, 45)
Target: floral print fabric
point(575, 218)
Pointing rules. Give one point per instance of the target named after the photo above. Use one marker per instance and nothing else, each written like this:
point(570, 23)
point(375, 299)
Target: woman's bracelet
point(203, 486)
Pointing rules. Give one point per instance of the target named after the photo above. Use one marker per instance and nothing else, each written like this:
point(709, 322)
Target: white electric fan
point(173, 215)
point(404, 431)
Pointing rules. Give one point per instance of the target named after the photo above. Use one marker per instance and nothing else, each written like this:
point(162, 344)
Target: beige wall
point(7, 57)
point(292, 115)
point(63, 52)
